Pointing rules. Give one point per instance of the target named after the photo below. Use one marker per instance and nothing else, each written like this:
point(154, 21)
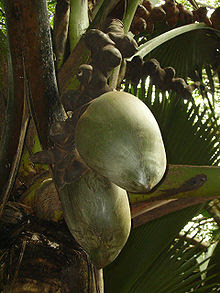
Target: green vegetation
point(56, 57)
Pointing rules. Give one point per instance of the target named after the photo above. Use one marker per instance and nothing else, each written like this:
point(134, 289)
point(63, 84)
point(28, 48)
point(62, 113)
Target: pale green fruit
point(97, 213)
point(119, 137)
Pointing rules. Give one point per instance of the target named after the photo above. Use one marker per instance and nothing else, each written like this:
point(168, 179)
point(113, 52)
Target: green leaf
point(191, 137)
point(214, 261)
point(147, 47)
point(144, 246)
point(190, 134)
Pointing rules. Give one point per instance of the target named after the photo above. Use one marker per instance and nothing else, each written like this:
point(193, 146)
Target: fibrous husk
point(142, 12)
point(108, 58)
point(96, 39)
point(147, 15)
point(118, 137)
point(97, 213)
point(148, 5)
point(185, 16)
point(157, 14)
point(138, 25)
point(124, 43)
point(200, 15)
point(134, 69)
point(172, 12)
point(163, 78)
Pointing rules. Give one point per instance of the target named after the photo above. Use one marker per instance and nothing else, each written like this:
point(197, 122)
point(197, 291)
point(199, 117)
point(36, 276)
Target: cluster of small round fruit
point(147, 15)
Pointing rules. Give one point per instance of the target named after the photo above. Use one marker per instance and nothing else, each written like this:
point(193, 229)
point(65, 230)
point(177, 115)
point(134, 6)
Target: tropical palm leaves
point(190, 138)
point(151, 262)
point(191, 134)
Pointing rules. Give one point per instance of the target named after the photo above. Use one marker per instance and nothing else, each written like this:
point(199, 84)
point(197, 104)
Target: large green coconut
point(97, 213)
point(119, 137)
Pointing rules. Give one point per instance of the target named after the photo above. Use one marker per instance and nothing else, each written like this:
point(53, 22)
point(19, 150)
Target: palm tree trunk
point(40, 256)
point(43, 256)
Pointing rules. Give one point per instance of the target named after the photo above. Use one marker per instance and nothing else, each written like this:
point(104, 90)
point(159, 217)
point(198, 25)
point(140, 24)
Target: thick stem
point(15, 165)
point(3, 76)
point(129, 14)
point(67, 74)
point(183, 186)
point(128, 17)
point(61, 26)
point(34, 262)
point(162, 210)
point(80, 55)
point(12, 123)
point(184, 181)
point(39, 65)
point(104, 10)
point(79, 21)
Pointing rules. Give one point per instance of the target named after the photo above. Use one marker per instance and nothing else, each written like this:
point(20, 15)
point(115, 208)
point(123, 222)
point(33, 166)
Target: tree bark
point(60, 32)
point(43, 256)
point(39, 65)
point(15, 100)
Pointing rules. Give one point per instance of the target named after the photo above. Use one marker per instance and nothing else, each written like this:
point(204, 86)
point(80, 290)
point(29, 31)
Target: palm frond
point(213, 269)
point(191, 136)
point(161, 46)
point(144, 246)
point(185, 48)
point(174, 269)
point(190, 133)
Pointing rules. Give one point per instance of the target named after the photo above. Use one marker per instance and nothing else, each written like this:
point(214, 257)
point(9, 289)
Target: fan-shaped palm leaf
point(146, 259)
point(191, 136)
point(182, 270)
point(190, 133)
point(193, 145)
point(185, 48)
